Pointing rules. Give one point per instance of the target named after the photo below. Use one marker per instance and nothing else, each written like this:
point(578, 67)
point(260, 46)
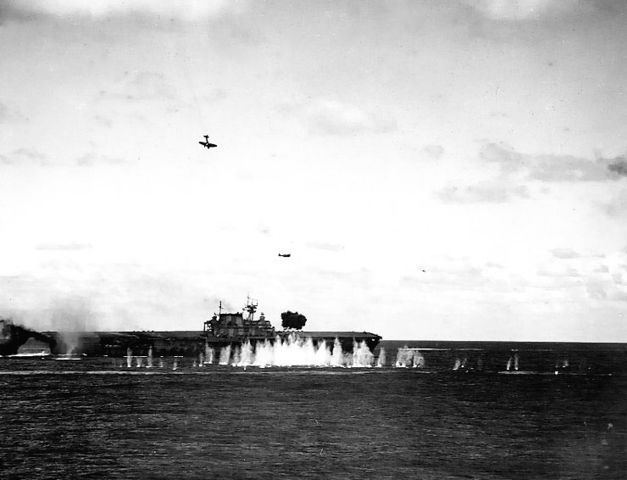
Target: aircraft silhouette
point(206, 143)
point(285, 255)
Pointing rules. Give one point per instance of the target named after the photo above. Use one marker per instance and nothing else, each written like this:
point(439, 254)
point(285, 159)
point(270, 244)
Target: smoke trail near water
point(70, 317)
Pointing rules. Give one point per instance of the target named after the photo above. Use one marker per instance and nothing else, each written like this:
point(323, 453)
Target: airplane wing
point(202, 143)
point(211, 145)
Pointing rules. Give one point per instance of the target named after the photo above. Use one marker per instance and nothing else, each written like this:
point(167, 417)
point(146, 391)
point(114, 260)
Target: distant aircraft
point(286, 255)
point(206, 143)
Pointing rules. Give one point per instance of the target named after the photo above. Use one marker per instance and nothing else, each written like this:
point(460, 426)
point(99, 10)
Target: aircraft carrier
point(222, 330)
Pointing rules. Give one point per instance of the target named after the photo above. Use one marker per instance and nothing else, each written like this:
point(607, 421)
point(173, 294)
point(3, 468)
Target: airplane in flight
point(206, 143)
point(285, 255)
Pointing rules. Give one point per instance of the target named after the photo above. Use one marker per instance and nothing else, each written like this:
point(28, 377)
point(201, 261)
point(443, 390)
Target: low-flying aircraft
point(285, 255)
point(206, 143)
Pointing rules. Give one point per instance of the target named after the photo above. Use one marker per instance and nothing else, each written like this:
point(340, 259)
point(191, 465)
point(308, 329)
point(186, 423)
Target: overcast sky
point(438, 170)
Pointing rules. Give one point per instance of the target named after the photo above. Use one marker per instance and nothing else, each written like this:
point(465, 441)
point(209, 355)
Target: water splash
point(381, 359)
point(295, 350)
point(409, 358)
point(209, 354)
point(337, 357)
point(225, 355)
point(138, 362)
point(458, 363)
point(149, 360)
point(362, 356)
point(245, 355)
point(129, 358)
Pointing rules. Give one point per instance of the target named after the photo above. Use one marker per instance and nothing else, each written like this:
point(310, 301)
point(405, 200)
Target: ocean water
point(97, 418)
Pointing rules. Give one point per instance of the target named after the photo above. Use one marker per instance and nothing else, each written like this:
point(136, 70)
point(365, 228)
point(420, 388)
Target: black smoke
point(293, 320)
point(13, 336)
point(618, 166)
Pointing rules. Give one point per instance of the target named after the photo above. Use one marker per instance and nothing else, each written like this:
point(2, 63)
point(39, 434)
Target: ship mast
point(251, 308)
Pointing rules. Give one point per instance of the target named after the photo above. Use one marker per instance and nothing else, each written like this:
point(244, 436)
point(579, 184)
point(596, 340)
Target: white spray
point(209, 354)
point(295, 350)
point(409, 358)
point(381, 359)
point(225, 355)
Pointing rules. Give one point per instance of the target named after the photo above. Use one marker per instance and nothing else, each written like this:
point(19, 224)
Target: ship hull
point(191, 343)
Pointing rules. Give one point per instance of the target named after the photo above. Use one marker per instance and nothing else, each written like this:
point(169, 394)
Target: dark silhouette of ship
point(222, 330)
point(16, 340)
point(234, 329)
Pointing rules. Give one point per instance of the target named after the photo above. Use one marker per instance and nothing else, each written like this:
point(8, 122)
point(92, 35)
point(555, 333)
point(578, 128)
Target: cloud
point(618, 166)
point(330, 117)
point(522, 10)
point(91, 159)
point(514, 169)
point(9, 114)
point(458, 273)
point(553, 168)
point(4, 112)
point(617, 206)
point(24, 156)
point(596, 290)
point(64, 246)
point(184, 10)
point(434, 151)
point(618, 296)
point(29, 156)
point(141, 86)
point(557, 271)
point(103, 121)
point(564, 253)
point(487, 192)
point(330, 247)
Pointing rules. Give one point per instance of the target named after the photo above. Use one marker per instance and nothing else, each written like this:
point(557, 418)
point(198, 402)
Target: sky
point(437, 170)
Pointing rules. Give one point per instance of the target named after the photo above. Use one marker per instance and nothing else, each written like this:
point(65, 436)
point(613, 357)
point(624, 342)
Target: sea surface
point(97, 418)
